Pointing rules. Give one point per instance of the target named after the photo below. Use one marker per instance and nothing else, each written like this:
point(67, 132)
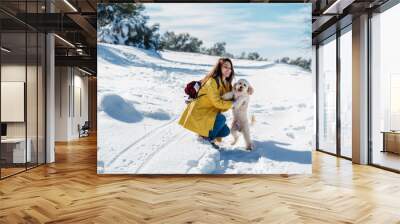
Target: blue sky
point(272, 30)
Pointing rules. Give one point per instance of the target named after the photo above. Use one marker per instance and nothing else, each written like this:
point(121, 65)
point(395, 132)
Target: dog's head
point(243, 87)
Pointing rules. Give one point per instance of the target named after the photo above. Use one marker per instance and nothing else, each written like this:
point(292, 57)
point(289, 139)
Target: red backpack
point(192, 89)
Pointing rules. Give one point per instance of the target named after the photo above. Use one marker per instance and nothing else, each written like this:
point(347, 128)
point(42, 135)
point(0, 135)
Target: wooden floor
point(387, 159)
point(10, 171)
point(70, 191)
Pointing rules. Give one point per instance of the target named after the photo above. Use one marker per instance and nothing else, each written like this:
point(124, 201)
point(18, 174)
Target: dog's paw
point(233, 142)
point(250, 147)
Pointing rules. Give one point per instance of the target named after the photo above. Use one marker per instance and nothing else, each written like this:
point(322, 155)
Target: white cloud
point(215, 23)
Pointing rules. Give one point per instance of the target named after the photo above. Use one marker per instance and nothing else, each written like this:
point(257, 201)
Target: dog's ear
point(250, 90)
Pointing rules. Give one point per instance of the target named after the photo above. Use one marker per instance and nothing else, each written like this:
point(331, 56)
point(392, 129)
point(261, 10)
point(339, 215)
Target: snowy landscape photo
point(147, 54)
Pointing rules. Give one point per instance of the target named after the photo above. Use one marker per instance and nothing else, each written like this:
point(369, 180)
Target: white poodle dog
point(241, 95)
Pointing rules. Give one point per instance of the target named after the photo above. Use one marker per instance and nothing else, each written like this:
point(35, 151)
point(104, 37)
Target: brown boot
point(219, 140)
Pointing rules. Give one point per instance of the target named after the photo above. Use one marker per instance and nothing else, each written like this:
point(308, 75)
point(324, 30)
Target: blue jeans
point(220, 128)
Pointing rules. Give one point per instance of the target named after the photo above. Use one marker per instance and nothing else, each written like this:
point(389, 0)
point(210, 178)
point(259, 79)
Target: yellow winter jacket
point(199, 115)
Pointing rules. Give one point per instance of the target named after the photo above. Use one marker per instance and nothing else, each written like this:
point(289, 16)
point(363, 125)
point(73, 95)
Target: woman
point(203, 115)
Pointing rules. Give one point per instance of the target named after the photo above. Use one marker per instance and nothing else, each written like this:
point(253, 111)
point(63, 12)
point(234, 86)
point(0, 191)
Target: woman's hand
point(215, 98)
point(228, 96)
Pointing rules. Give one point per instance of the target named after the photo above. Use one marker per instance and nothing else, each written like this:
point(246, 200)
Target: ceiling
point(74, 22)
point(332, 15)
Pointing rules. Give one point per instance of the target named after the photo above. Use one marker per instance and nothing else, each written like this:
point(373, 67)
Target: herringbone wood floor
point(70, 191)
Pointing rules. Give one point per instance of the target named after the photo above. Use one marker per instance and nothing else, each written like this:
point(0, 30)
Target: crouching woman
point(203, 115)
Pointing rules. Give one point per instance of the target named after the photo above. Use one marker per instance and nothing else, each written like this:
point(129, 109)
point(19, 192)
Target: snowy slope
point(140, 98)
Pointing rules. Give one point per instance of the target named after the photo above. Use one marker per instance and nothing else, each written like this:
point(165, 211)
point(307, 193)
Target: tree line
point(125, 23)
point(304, 63)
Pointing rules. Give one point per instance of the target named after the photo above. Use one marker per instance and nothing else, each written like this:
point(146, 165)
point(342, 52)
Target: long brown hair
point(216, 72)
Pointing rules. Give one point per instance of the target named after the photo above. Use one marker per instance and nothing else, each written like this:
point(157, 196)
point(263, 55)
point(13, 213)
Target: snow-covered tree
point(242, 55)
point(125, 24)
point(181, 42)
point(304, 63)
point(301, 62)
point(253, 56)
point(285, 60)
point(218, 49)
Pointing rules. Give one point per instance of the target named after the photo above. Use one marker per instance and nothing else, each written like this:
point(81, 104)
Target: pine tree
point(218, 49)
point(181, 42)
point(125, 24)
point(253, 56)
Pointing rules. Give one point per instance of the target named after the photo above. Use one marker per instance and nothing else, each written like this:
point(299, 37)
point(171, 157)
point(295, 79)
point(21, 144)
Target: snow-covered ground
point(140, 99)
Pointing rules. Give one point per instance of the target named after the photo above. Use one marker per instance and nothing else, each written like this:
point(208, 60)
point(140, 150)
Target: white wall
point(70, 83)
point(81, 84)
point(33, 126)
point(62, 81)
point(12, 73)
point(12, 100)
